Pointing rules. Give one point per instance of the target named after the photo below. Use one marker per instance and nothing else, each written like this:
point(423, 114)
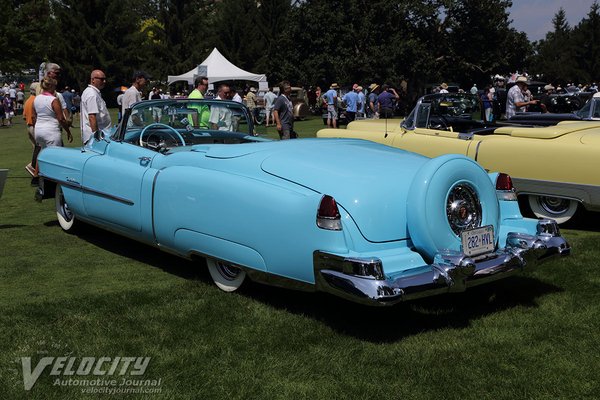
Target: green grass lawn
point(536, 336)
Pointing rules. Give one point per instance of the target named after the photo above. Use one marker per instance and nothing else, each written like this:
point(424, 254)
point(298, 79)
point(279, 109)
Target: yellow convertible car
point(555, 167)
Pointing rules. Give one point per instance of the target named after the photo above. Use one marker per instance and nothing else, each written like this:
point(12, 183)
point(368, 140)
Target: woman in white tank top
point(48, 117)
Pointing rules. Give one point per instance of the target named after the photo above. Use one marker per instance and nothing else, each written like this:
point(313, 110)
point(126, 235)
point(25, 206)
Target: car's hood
point(370, 181)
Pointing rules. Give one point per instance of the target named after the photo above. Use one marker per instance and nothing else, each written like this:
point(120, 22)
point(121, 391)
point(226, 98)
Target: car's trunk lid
point(368, 180)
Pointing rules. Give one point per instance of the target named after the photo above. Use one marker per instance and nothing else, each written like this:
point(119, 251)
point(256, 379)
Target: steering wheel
point(159, 125)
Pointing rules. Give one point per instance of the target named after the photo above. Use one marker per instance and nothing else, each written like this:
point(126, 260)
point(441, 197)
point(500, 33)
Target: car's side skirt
point(588, 195)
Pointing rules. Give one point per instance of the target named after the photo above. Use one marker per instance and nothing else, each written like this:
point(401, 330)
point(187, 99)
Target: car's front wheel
point(226, 276)
point(65, 216)
point(559, 209)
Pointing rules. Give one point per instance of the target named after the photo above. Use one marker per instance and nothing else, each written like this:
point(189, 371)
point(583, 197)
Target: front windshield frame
point(456, 105)
point(180, 108)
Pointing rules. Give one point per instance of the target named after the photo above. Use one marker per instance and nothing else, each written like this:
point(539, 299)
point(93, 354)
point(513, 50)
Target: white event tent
point(217, 68)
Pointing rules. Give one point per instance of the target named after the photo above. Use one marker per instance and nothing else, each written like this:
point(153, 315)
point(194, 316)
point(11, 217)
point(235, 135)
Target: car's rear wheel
point(227, 276)
point(65, 216)
point(559, 209)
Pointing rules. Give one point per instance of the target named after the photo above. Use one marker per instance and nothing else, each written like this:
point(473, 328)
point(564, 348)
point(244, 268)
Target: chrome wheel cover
point(228, 271)
point(463, 208)
point(554, 205)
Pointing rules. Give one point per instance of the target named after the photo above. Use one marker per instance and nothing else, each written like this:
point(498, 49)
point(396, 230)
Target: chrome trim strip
point(451, 271)
point(152, 204)
point(506, 195)
point(477, 149)
point(588, 195)
point(76, 185)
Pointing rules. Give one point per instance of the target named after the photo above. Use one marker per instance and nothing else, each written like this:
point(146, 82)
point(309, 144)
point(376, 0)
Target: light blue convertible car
point(367, 222)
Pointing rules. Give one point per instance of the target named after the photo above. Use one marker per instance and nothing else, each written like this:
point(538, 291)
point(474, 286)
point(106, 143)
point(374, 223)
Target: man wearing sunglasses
point(94, 114)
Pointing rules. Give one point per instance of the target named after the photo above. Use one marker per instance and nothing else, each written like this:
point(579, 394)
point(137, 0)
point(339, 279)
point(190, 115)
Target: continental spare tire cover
point(449, 194)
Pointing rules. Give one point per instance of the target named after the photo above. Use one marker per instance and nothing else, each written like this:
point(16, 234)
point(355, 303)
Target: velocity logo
point(84, 366)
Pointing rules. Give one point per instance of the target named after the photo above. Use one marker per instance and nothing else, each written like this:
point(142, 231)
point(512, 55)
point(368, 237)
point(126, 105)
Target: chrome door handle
point(145, 160)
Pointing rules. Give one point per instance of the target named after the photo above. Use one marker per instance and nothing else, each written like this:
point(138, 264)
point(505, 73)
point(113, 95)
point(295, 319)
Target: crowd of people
point(507, 96)
point(49, 113)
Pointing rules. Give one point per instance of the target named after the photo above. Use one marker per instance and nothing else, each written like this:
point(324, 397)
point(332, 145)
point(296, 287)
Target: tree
point(97, 35)
point(25, 36)
point(585, 42)
point(481, 42)
point(555, 54)
point(187, 35)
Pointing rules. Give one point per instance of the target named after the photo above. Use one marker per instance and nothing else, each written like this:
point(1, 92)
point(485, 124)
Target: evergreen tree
point(586, 46)
point(555, 53)
point(27, 34)
point(481, 42)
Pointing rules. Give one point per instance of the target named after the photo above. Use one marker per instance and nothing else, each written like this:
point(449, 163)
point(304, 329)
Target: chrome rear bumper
point(363, 281)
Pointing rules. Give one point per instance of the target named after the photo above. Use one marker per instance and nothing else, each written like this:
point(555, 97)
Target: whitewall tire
point(227, 276)
point(556, 208)
point(65, 216)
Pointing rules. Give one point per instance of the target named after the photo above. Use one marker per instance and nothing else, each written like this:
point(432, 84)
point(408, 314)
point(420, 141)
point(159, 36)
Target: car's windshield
point(184, 122)
point(591, 109)
point(457, 106)
point(457, 112)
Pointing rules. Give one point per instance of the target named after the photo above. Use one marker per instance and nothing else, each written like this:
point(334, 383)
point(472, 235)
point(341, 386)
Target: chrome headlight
point(463, 208)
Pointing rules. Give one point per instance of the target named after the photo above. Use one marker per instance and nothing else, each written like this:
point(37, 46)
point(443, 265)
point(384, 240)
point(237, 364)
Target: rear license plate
point(478, 241)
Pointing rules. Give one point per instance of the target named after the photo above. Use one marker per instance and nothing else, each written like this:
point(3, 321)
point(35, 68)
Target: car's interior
point(454, 113)
point(162, 125)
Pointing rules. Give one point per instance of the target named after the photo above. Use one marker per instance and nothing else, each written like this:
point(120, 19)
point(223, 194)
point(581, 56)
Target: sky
point(534, 17)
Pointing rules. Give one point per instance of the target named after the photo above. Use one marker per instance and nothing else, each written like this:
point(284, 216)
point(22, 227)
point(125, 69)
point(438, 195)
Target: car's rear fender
point(249, 222)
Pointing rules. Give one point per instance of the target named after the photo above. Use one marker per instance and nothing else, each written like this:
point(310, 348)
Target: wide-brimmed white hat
point(521, 79)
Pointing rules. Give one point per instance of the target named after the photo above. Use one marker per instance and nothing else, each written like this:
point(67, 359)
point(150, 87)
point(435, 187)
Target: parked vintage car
point(564, 100)
point(589, 112)
point(554, 167)
point(299, 102)
point(357, 219)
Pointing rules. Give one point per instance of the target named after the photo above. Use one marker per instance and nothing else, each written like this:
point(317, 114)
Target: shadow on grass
point(374, 324)
point(140, 252)
point(9, 226)
point(584, 220)
point(390, 324)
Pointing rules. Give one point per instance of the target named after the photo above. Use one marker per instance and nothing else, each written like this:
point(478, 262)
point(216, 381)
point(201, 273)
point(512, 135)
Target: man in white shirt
point(221, 117)
point(134, 93)
point(270, 98)
point(94, 114)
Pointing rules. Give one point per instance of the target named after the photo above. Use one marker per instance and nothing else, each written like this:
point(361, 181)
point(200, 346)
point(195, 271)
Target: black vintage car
point(563, 100)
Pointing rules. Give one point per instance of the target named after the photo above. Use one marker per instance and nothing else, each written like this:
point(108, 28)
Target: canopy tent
point(217, 68)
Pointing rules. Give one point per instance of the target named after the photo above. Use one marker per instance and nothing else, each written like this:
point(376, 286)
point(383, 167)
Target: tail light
point(328, 215)
point(505, 189)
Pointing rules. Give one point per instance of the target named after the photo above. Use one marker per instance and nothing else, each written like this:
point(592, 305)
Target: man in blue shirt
point(386, 101)
point(362, 99)
point(331, 97)
point(351, 100)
